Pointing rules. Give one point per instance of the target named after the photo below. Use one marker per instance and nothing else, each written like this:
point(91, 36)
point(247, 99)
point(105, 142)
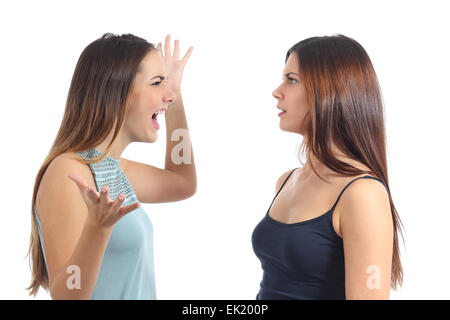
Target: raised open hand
point(174, 66)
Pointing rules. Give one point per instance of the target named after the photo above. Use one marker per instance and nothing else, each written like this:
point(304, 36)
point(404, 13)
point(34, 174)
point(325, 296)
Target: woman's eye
point(157, 83)
point(290, 80)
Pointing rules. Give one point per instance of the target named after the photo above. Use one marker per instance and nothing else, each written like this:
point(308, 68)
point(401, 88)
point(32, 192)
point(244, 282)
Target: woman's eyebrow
point(161, 77)
point(289, 73)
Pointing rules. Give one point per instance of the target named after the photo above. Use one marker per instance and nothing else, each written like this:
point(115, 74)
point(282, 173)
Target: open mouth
point(155, 117)
point(160, 111)
point(282, 111)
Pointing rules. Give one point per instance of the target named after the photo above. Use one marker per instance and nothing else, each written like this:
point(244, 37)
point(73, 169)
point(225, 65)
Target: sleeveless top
point(303, 260)
point(127, 269)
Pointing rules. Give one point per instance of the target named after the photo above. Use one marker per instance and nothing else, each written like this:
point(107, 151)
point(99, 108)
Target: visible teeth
point(162, 111)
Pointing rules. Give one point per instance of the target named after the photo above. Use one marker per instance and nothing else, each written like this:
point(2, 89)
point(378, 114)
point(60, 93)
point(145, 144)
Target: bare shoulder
point(365, 204)
point(364, 191)
point(66, 159)
point(282, 178)
point(56, 174)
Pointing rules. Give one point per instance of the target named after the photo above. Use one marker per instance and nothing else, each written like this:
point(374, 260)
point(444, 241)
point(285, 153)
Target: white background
point(203, 245)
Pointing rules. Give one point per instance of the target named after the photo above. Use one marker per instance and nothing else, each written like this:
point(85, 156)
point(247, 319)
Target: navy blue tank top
point(303, 260)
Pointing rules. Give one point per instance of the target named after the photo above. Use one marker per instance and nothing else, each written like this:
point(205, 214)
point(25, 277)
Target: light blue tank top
point(127, 270)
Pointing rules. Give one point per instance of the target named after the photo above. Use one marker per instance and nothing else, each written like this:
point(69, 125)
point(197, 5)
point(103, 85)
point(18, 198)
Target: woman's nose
point(170, 96)
point(276, 94)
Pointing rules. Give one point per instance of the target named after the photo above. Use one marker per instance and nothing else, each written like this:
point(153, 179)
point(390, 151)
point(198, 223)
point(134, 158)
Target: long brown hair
point(347, 109)
point(98, 99)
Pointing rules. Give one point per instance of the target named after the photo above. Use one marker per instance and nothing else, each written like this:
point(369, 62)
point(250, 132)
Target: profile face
point(151, 93)
point(291, 97)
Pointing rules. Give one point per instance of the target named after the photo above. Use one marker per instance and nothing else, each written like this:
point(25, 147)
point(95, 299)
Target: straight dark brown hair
point(347, 109)
point(98, 99)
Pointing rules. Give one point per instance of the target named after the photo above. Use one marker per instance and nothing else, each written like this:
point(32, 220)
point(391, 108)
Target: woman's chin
point(153, 138)
point(287, 128)
point(284, 128)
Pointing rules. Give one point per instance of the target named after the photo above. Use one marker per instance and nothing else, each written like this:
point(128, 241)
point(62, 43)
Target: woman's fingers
point(89, 195)
point(118, 202)
point(81, 184)
point(159, 49)
point(127, 209)
point(92, 195)
point(78, 180)
point(187, 55)
point(176, 49)
point(167, 46)
point(104, 195)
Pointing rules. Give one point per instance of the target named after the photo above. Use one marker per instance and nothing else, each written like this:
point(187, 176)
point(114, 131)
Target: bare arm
point(367, 230)
point(175, 120)
point(175, 117)
point(87, 256)
point(72, 236)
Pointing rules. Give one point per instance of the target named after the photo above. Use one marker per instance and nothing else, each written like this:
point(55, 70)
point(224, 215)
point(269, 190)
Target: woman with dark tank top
point(331, 229)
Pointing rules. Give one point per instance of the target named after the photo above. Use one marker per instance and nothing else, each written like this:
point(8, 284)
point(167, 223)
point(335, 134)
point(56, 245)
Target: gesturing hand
point(103, 212)
point(174, 67)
